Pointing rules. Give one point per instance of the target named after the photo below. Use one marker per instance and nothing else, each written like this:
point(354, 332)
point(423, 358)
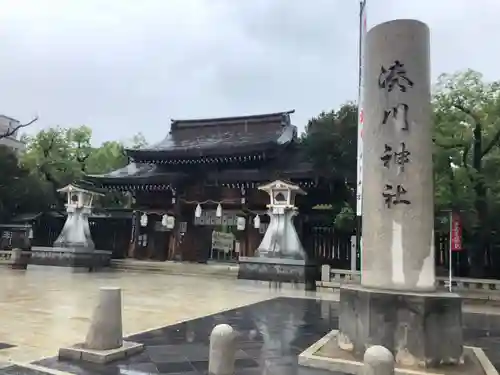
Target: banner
point(362, 37)
point(456, 232)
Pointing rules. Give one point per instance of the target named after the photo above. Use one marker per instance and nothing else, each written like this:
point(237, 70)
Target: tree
point(49, 156)
point(60, 156)
point(330, 142)
point(137, 141)
point(467, 133)
point(12, 131)
point(19, 190)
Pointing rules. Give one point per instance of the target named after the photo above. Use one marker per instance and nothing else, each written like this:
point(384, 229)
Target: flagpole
point(362, 5)
point(359, 167)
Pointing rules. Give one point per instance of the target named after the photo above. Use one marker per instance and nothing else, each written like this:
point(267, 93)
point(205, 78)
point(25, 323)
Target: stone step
point(173, 268)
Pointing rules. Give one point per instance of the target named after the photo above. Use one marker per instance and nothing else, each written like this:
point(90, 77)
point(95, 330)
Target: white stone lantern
point(281, 239)
point(282, 195)
point(76, 231)
point(77, 197)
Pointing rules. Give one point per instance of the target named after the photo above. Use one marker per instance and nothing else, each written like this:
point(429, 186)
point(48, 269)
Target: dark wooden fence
point(333, 247)
point(321, 242)
point(111, 234)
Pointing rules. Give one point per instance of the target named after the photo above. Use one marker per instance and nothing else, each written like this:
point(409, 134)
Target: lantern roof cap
point(74, 188)
point(281, 184)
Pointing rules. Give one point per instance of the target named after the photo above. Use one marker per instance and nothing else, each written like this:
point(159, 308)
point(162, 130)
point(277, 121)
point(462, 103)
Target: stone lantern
point(76, 230)
point(281, 239)
point(280, 256)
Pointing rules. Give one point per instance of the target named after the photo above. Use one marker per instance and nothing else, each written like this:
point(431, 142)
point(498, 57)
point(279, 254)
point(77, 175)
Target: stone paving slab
point(44, 310)
point(271, 335)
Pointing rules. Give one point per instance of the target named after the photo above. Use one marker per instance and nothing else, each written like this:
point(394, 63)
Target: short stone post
point(18, 262)
point(104, 342)
point(378, 361)
point(325, 273)
point(222, 350)
point(105, 330)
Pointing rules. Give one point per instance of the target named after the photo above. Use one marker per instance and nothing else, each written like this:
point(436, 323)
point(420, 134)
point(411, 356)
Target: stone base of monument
point(422, 330)
point(280, 270)
point(78, 352)
point(326, 354)
point(73, 259)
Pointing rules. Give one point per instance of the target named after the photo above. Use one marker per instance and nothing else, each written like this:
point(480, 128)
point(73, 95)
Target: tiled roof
point(222, 136)
point(138, 172)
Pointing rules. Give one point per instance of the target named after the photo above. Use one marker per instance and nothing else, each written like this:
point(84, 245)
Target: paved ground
point(44, 309)
point(272, 334)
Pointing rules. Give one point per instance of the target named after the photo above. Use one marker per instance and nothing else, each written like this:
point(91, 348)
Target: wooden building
point(193, 188)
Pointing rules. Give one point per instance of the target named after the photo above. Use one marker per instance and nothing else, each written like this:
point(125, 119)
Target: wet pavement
point(271, 335)
point(46, 308)
point(43, 310)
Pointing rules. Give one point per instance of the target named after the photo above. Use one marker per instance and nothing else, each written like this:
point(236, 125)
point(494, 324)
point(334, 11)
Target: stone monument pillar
point(396, 305)
point(398, 209)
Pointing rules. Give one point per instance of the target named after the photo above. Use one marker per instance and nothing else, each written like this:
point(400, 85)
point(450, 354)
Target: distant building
point(7, 124)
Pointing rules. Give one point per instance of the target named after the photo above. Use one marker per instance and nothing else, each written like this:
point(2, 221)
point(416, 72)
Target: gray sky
point(124, 66)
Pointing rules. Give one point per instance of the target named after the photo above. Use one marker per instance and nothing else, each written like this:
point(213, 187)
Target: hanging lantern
point(240, 223)
point(164, 220)
point(197, 211)
point(218, 212)
point(256, 222)
point(170, 222)
point(144, 220)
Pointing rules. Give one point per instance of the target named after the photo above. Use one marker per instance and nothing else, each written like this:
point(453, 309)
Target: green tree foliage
point(466, 118)
point(137, 141)
point(20, 191)
point(58, 156)
point(467, 156)
point(330, 143)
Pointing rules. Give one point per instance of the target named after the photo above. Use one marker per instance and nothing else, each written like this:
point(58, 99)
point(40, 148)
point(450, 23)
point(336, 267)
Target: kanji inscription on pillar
point(398, 208)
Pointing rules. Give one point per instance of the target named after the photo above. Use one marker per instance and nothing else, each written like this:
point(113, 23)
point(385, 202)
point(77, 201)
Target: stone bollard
point(104, 342)
point(222, 350)
point(325, 273)
point(378, 360)
point(18, 262)
point(105, 330)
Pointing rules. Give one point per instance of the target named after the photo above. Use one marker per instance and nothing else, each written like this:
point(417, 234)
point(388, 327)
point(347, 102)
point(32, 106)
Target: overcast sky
point(124, 66)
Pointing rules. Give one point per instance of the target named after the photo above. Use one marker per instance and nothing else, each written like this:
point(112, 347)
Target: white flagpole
point(359, 179)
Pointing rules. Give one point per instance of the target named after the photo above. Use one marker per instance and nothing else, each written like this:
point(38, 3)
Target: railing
point(332, 278)
point(5, 257)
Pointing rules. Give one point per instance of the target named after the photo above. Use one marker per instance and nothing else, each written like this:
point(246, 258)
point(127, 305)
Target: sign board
point(456, 232)
point(159, 227)
point(209, 217)
point(222, 241)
